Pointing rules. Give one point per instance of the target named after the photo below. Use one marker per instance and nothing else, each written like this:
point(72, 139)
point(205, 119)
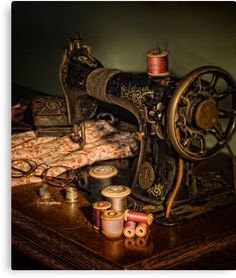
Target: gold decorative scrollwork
point(156, 190)
point(89, 60)
point(136, 95)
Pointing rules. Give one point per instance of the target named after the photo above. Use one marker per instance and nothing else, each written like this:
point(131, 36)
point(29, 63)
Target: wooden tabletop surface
point(60, 235)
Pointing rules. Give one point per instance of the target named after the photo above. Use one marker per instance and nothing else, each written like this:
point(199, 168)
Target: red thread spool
point(141, 229)
point(138, 217)
point(129, 229)
point(98, 209)
point(157, 63)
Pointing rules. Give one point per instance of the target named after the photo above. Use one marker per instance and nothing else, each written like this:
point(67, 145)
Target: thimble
point(71, 194)
point(44, 192)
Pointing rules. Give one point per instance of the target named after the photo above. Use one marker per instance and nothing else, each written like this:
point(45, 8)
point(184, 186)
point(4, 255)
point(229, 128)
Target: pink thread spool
point(112, 223)
point(141, 230)
point(157, 63)
point(138, 217)
point(98, 209)
point(129, 229)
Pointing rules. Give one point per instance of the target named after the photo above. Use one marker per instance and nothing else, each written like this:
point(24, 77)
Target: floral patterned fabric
point(103, 142)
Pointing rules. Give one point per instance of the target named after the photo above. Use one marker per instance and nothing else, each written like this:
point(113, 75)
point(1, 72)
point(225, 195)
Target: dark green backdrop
point(120, 33)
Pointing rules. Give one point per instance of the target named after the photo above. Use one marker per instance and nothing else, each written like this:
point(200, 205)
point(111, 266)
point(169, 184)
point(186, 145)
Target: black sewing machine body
point(172, 117)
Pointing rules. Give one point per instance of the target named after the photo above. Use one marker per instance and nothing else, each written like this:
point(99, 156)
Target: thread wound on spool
point(141, 229)
point(112, 223)
point(103, 171)
point(98, 209)
point(117, 195)
point(157, 63)
point(129, 229)
point(138, 217)
point(99, 177)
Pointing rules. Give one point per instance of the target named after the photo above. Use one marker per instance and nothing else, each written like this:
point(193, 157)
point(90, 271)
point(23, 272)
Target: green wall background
point(120, 33)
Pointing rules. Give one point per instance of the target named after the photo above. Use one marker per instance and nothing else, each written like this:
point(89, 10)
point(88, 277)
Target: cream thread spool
point(99, 177)
point(112, 223)
point(129, 229)
point(117, 196)
point(141, 230)
point(98, 209)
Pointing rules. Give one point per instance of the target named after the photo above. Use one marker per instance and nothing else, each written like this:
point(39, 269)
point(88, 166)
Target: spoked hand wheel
point(203, 110)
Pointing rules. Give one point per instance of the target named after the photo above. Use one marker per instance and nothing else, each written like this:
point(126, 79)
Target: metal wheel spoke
point(226, 114)
point(219, 136)
point(222, 95)
point(214, 81)
point(198, 83)
point(202, 144)
point(186, 142)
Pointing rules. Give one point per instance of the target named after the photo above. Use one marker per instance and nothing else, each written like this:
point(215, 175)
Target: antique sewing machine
point(178, 123)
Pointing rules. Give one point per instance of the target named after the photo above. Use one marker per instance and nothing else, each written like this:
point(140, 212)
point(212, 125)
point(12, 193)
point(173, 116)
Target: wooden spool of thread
point(99, 177)
point(157, 63)
point(141, 230)
point(117, 195)
point(112, 223)
point(138, 217)
point(98, 209)
point(129, 229)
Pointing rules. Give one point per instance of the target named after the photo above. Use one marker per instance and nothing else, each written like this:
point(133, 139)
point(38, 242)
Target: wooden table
point(60, 235)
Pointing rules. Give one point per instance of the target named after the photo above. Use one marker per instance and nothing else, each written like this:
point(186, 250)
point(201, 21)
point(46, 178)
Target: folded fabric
point(103, 142)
